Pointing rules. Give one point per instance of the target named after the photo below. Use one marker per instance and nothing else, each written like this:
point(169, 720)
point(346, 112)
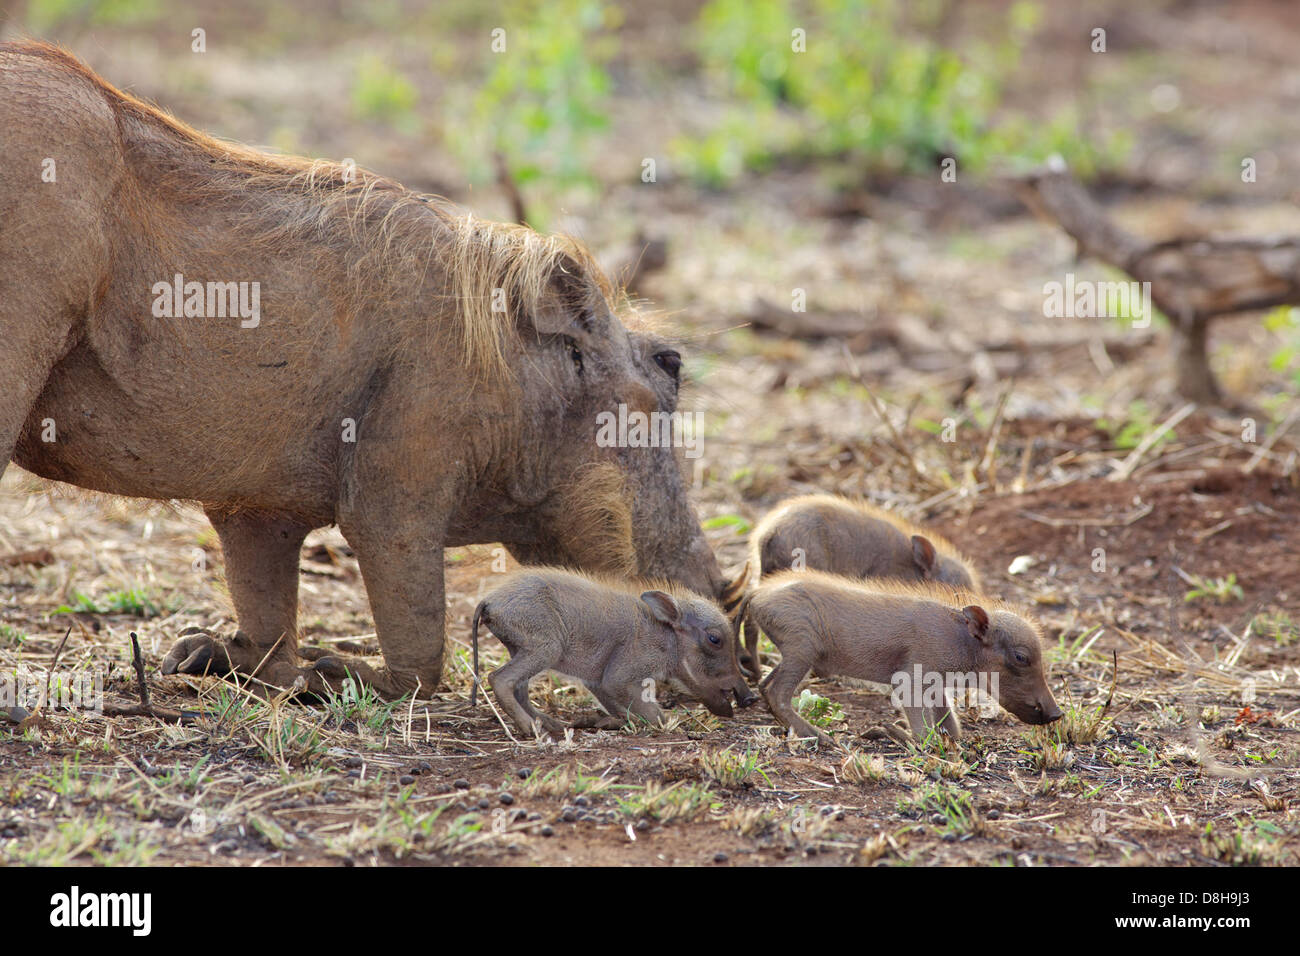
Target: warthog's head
point(594, 468)
point(705, 663)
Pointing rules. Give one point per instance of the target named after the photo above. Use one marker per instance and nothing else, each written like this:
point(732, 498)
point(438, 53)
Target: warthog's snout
point(699, 570)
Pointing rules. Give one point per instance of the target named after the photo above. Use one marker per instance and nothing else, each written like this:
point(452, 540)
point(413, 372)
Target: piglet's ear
point(663, 607)
point(924, 555)
point(977, 619)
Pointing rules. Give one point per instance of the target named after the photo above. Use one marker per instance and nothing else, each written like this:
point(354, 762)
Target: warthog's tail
point(478, 616)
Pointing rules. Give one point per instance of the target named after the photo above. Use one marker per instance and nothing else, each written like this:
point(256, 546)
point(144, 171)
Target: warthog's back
point(223, 336)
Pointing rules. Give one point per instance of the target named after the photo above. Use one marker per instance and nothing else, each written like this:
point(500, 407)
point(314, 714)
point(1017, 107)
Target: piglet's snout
point(1047, 712)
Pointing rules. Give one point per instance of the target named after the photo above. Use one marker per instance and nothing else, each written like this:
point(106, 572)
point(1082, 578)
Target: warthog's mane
point(390, 230)
point(946, 594)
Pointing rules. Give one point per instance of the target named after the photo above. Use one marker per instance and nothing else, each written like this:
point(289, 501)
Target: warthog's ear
point(924, 555)
point(567, 302)
point(663, 607)
point(977, 619)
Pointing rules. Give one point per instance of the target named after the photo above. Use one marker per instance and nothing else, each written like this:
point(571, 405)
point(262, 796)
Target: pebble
point(460, 783)
point(523, 773)
point(719, 857)
point(506, 797)
point(406, 780)
point(548, 831)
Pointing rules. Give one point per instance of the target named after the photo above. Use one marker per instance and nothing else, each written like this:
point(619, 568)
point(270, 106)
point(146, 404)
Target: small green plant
point(948, 806)
point(134, 601)
point(1127, 433)
point(1221, 590)
point(1248, 843)
point(10, 636)
point(731, 769)
point(360, 705)
point(677, 801)
point(287, 741)
point(563, 780)
point(817, 710)
point(1279, 627)
point(1284, 321)
point(863, 769)
point(189, 779)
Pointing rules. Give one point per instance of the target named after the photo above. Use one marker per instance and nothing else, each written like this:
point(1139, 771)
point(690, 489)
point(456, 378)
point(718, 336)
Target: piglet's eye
point(715, 640)
point(1021, 659)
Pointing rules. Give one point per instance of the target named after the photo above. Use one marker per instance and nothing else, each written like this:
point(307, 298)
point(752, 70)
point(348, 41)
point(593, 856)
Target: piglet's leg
point(925, 720)
point(510, 685)
point(630, 698)
point(779, 688)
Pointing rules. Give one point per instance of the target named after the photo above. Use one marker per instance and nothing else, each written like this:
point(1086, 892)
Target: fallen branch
point(138, 663)
point(1133, 516)
point(1192, 280)
point(1125, 470)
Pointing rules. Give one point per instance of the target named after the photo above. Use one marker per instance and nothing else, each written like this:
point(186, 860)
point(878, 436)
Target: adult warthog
point(295, 343)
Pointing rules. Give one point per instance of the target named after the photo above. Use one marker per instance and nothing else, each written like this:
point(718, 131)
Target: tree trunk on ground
point(1191, 280)
point(1194, 378)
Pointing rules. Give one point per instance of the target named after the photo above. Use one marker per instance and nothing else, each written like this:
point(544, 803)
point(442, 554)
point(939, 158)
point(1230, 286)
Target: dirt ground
point(1166, 577)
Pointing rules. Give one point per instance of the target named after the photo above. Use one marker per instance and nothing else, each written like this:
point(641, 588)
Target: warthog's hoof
point(198, 652)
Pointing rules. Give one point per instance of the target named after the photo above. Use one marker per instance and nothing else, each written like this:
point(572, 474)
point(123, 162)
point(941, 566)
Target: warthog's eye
point(670, 362)
point(1021, 658)
point(575, 354)
point(714, 639)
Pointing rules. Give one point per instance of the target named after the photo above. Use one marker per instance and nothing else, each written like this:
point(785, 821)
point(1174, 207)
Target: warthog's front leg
point(261, 556)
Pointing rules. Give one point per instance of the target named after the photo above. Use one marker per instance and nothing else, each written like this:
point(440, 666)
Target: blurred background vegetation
point(871, 84)
point(756, 115)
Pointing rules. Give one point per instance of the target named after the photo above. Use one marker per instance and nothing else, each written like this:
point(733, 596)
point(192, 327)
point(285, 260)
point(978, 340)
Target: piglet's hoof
point(546, 724)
